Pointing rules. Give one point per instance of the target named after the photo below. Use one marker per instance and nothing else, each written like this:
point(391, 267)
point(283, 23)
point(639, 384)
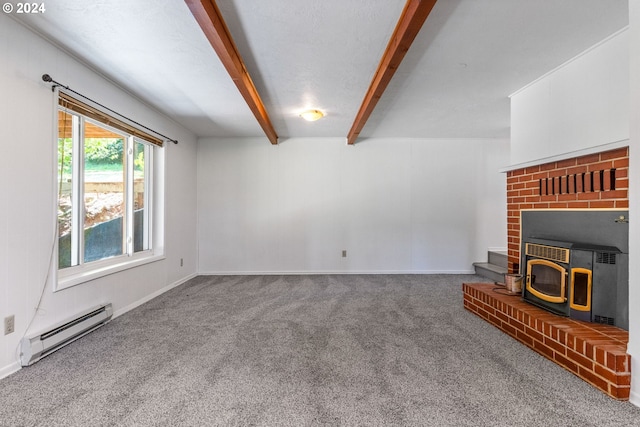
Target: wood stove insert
point(573, 279)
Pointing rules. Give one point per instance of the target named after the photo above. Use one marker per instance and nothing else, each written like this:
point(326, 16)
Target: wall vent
point(605, 257)
point(604, 320)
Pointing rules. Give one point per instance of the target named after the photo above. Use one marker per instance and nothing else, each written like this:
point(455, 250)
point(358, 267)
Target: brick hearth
point(596, 353)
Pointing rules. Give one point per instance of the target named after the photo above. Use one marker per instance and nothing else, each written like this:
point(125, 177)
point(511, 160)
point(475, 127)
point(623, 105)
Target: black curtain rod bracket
point(47, 78)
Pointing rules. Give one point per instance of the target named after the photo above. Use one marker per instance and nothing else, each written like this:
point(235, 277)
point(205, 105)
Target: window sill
point(77, 276)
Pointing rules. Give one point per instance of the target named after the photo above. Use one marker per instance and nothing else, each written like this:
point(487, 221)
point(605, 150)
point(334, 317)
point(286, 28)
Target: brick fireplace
point(592, 351)
point(595, 181)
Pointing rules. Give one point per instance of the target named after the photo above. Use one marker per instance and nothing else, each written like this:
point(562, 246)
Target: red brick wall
point(594, 181)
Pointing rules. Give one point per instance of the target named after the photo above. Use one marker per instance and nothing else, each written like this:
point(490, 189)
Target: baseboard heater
point(36, 346)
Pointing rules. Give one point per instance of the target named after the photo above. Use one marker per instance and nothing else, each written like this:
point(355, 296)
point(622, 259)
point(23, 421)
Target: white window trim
point(97, 269)
point(67, 278)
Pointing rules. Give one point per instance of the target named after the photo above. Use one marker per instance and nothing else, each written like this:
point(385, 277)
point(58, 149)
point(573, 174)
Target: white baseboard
point(297, 273)
point(10, 369)
point(149, 297)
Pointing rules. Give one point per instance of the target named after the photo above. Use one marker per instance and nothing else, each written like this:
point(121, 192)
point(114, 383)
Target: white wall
point(582, 104)
point(27, 219)
point(423, 206)
point(634, 201)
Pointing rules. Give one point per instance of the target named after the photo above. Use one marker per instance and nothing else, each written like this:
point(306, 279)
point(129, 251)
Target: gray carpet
point(304, 350)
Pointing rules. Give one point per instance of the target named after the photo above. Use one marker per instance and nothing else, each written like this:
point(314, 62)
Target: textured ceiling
point(454, 82)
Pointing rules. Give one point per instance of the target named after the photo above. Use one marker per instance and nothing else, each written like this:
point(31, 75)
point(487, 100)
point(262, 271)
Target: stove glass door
point(581, 283)
point(546, 280)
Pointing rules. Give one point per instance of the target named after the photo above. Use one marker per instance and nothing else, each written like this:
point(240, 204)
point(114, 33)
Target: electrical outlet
point(344, 253)
point(9, 324)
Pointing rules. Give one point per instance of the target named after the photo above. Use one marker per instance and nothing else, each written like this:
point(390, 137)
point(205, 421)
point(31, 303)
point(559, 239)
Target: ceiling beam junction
point(210, 20)
point(413, 15)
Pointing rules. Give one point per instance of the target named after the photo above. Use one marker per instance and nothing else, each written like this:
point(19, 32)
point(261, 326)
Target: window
point(105, 194)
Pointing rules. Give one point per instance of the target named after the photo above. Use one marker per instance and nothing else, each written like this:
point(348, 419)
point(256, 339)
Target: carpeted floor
point(304, 350)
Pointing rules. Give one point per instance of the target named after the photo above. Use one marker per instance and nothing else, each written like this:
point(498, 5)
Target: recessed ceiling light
point(312, 115)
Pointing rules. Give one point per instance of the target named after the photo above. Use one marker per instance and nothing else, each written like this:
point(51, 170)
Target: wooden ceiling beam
point(413, 15)
point(210, 20)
